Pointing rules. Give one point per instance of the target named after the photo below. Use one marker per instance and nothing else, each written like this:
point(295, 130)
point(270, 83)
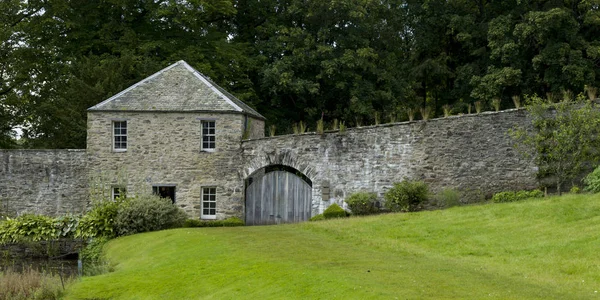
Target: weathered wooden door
point(278, 197)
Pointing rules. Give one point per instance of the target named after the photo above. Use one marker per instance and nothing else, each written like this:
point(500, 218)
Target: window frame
point(204, 124)
point(206, 191)
point(119, 135)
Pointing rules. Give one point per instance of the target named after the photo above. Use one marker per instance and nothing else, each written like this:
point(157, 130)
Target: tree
point(564, 139)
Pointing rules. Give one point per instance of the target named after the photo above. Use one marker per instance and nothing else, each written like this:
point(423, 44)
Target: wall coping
point(42, 150)
point(405, 123)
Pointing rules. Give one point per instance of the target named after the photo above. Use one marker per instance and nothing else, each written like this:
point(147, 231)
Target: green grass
point(536, 249)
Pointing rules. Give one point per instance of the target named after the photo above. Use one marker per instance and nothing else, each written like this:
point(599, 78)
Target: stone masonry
point(471, 153)
point(43, 181)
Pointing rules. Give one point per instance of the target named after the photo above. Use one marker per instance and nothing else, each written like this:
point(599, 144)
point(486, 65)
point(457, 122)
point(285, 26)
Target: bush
point(230, 222)
point(363, 203)
point(318, 217)
point(35, 228)
point(334, 211)
point(448, 198)
point(99, 222)
point(503, 197)
point(147, 213)
point(575, 190)
point(592, 181)
point(406, 196)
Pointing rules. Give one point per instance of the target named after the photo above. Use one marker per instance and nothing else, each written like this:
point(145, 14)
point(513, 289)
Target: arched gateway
point(279, 196)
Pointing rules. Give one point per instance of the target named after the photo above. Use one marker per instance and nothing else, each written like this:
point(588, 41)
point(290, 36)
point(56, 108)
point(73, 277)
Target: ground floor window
point(209, 203)
point(164, 191)
point(118, 191)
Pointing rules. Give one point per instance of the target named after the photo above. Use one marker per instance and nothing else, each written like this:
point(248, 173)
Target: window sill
point(208, 218)
point(207, 150)
point(119, 150)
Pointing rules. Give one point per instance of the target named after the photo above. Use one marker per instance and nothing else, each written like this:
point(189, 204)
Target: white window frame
point(119, 136)
point(206, 125)
point(117, 191)
point(205, 198)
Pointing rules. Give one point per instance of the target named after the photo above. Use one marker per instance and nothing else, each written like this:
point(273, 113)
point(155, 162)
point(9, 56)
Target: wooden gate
point(278, 197)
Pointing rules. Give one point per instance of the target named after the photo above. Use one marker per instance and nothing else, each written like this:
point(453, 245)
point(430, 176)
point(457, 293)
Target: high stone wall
point(50, 182)
point(470, 153)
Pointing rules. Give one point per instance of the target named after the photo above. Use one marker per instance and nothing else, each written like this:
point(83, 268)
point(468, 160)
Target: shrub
point(230, 222)
point(406, 196)
point(448, 198)
point(592, 181)
point(503, 197)
point(363, 203)
point(575, 190)
point(147, 213)
point(99, 222)
point(29, 227)
point(334, 211)
point(318, 217)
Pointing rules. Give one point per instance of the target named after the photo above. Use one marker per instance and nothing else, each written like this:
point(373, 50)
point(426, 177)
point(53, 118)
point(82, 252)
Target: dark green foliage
point(147, 213)
point(363, 203)
point(592, 181)
point(516, 196)
point(318, 217)
point(406, 196)
point(229, 222)
point(334, 211)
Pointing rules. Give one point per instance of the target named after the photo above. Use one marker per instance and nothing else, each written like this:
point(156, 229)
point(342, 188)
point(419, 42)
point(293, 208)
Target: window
point(209, 203)
point(118, 191)
point(165, 192)
point(208, 135)
point(120, 135)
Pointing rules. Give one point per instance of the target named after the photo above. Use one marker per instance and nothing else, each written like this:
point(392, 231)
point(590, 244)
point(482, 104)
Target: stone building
point(179, 135)
point(175, 133)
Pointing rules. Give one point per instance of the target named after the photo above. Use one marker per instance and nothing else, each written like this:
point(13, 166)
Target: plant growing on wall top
point(564, 138)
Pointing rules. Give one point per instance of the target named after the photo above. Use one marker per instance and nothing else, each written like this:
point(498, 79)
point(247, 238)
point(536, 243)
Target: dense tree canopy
point(293, 60)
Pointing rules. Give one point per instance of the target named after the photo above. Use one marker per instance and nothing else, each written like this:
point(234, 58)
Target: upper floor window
point(208, 135)
point(120, 135)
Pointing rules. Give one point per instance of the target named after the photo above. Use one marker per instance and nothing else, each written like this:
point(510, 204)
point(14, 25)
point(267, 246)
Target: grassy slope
point(534, 249)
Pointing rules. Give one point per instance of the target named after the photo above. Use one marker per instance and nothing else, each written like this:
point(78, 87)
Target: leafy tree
point(564, 138)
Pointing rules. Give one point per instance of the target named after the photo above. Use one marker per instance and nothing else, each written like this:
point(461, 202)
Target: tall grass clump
point(496, 104)
point(568, 96)
point(448, 198)
point(272, 131)
point(425, 113)
point(447, 109)
point(31, 284)
point(342, 127)
point(517, 101)
point(592, 92)
point(478, 106)
point(411, 114)
point(335, 125)
point(362, 203)
point(406, 196)
point(320, 126)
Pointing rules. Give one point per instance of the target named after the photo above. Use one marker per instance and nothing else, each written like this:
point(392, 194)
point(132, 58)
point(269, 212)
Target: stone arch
point(284, 158)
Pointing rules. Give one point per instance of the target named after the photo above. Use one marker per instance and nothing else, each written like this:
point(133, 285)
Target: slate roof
point(178, 87)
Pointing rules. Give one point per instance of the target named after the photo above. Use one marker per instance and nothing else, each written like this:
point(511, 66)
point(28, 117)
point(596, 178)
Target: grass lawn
point(536, 249)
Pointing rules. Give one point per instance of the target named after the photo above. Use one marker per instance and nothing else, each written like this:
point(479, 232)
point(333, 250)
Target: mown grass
point(536, 249)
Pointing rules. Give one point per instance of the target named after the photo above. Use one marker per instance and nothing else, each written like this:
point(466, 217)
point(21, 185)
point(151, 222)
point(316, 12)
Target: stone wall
point(470, 153)
point(48, 182)
point(164, 150)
